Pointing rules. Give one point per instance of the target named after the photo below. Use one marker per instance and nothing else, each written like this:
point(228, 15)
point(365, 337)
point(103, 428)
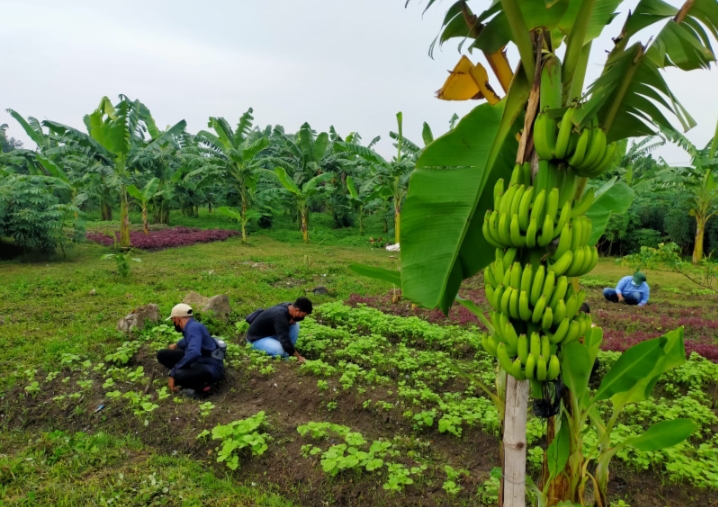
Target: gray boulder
point(136, 319)
point(219, 304)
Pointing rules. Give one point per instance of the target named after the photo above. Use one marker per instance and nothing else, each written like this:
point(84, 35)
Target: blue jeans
point(271, 345)
point(632, 298)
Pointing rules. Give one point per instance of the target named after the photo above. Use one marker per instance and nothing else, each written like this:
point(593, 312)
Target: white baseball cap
point(180, 310)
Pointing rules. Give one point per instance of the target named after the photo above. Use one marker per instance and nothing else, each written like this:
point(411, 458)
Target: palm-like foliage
point(235, 158)
point(700, 180)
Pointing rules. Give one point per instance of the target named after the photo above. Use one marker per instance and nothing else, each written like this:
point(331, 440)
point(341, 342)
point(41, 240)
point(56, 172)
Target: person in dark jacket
point(276, 329)
point(194, 361)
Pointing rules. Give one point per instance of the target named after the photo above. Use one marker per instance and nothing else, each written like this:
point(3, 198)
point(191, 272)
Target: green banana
point(564, 242)
point(527, 278)
point(535, 344)
point(517, 371)
point(507, 199)
point(539, 307)
point(496, 323)
point(498, 192)
point(544, 136)
point(505, 298)
point(504, 229)
point(581, 146)
point(490, 293)
point(515, 175)
point(576, 262)
point(541, 369)
point(559, 292)
point(498, 269)
point(564, 133)
point(523, 348)
point(560, 266)
point(511, 336)
point(489, 344)
point(560, 312)
point(537, 284)
point(531, 234)
point(524, 310)
point(587, 230)
point(516, 275)
point(584, 204)
point(549, 284)
point(530, 368)
point(552, 204)
point(489, 277)
point(577, 224)
point(546, 235)
point(515, 232)
point(571, 307)
point(498, 296)
point(509, 256)
point(537, 207)
point(547, 320)
point(524, 206)
point(563, 218)
point(486, 232)
point(561, 331)
point(514, 304)
point(504, 359)
point(574, 329)
point(554, 368)
point(602, 165)
point(516, 200)
point(494, 226)
point(596, 150)
point(568, 187)
point(545, 346)
point(542, 176)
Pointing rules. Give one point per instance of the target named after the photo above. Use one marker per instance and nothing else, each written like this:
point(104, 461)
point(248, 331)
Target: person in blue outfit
point(276, 329)
point(197, 360)
point(632, 290)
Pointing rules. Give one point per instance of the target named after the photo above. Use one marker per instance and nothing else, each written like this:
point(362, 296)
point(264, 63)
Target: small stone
point(93, 292)
point(136, 319)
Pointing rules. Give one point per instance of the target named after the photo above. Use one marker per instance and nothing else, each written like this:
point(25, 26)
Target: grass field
point(389, 379)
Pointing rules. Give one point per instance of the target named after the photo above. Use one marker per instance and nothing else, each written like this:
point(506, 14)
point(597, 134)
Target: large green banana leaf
point(441, 238)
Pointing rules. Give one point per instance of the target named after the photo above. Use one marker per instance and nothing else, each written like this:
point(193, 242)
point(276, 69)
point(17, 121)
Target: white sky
point(329, 62)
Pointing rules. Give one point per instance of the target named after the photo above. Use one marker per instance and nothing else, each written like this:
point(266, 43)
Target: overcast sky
point(329, 62)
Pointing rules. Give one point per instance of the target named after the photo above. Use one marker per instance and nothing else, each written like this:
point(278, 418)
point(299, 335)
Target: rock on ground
point(218, 304)
point(136, 319)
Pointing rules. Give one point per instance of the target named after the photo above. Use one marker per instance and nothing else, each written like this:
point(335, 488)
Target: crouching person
point(197, 360)
point(276, 329)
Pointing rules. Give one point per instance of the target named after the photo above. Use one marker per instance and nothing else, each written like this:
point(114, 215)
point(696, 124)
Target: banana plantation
point(482, 358)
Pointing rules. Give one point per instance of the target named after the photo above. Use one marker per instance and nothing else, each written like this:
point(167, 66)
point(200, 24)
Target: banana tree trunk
point(244, 221)
point(106, 210)
point(700, 234)
point(361, 220)
point(305, 227)
point(397, 223)
point(514, 480)
point(145, 224)
point(124, 218)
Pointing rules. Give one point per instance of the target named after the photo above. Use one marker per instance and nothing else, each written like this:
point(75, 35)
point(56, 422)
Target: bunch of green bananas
point(536, 311)
point(587, 151)
point(531, 216)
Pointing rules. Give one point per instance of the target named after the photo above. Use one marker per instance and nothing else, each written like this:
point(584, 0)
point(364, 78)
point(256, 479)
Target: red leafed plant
point(166, 238)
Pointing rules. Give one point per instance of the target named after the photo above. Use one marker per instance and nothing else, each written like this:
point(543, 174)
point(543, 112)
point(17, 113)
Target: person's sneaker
point(189, 393)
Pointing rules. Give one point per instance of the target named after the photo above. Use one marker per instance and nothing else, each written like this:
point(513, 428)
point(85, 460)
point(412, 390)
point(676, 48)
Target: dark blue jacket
point(198, 344)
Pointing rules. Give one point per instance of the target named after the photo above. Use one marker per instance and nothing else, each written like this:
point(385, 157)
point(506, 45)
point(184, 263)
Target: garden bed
point(164, 238)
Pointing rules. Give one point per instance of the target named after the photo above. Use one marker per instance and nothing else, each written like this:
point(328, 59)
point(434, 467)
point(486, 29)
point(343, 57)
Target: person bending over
point(276, 329)
point(632, 290)
point(196, 361)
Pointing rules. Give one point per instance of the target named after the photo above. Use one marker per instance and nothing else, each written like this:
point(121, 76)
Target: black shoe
point(189, 393)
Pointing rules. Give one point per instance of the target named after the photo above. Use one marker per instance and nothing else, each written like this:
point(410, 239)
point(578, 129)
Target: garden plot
point(387, 411)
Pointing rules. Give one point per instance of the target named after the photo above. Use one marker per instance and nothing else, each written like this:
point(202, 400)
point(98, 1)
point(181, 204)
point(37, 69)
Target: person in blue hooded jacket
point(632, 290)
point(196, 361)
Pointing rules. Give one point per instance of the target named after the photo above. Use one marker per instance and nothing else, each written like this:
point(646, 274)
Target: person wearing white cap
point(196, 361)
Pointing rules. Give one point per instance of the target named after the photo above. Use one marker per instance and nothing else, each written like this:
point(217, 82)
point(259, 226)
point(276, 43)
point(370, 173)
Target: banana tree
point(391, 179)
point(235, 159)
point(359, 199)
point(301, 195)
point(699, 181)
point(75, 185)
point(113, 132)
point(478, 190)
point(303, 152)
point(144, 197)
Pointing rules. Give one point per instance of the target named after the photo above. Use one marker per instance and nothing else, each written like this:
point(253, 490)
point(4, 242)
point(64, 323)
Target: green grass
point(68, 470)
point(72, 304)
